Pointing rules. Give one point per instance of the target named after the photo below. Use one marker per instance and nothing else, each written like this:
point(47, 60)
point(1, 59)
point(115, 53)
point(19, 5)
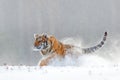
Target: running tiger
point(50, 47)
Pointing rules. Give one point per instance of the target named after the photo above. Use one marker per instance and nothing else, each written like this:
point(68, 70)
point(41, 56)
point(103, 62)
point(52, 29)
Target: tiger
point(49, 47)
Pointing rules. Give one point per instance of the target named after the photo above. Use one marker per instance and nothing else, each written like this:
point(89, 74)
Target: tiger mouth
point(42, 46)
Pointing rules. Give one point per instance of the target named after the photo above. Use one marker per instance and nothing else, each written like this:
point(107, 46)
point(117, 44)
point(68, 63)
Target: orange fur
point(51, 47)
point(57, 48)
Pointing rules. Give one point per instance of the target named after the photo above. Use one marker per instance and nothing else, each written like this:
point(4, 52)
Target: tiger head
point(42, 42)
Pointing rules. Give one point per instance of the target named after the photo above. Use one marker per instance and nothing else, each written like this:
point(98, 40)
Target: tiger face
point(42, 43)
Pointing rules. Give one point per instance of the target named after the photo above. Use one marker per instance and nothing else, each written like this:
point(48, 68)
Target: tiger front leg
point(45, 62)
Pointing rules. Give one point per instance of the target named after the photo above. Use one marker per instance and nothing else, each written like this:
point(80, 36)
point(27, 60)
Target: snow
point(103, 72)
point(88, 67)
point(85, 67)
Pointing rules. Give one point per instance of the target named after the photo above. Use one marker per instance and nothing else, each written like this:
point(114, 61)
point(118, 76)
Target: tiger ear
point(36, 35)
point(45, 35)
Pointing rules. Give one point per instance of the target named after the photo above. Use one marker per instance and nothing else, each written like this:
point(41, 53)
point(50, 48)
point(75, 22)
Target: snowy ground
point(88, 67)
point(110, 72)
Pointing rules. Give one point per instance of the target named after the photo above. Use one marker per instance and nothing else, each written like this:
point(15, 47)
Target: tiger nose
point(36, 44)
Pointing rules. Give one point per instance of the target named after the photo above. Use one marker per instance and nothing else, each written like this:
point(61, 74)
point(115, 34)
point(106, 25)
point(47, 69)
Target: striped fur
point(49, 46)
point(94, 48)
